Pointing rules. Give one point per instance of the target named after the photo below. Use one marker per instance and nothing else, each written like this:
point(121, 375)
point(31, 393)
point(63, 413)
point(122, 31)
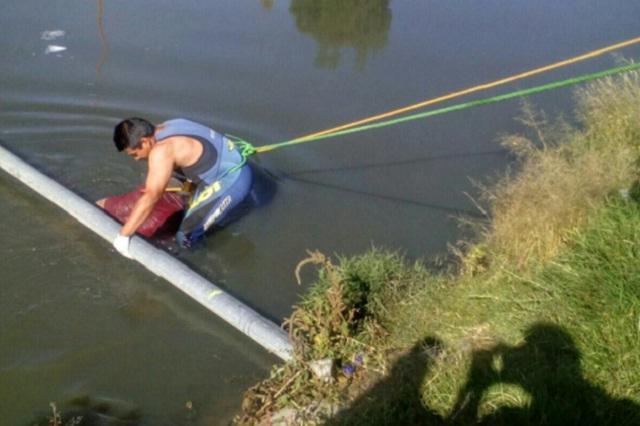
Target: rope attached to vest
point(246, 149)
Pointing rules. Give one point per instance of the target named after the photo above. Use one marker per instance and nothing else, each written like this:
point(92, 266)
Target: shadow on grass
point(547, 366)
point(396, 399)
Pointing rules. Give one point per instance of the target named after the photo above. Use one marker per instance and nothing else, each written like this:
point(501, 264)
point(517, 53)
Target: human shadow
point(396, 400)
point(547, 366)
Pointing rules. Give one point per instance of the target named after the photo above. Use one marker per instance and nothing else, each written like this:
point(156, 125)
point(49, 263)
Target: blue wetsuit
point(220, 184)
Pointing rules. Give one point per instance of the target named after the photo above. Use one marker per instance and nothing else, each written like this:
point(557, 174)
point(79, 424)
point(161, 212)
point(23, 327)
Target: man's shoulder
point(163, 149)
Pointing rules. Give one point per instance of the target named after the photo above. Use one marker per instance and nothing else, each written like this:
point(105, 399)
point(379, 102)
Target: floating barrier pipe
point(264, 332)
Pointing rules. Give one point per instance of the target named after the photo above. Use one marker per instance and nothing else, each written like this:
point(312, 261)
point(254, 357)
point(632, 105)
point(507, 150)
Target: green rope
point(245, 149)
point(457, 107)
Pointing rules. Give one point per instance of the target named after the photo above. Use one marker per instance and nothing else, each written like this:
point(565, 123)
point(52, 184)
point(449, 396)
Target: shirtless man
point(197, 154)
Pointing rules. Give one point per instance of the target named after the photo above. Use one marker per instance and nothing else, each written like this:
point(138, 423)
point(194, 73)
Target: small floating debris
point(53, 48)
point(51, 34)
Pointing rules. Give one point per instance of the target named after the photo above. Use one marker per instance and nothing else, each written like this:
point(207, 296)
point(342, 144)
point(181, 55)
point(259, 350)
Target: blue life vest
point(218, 156)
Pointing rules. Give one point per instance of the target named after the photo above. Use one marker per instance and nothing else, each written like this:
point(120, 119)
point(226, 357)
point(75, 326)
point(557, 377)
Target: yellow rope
point(474, 89)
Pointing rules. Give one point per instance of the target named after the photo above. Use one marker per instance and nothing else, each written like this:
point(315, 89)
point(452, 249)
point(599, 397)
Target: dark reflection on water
point(87, 411)
point(267, 4)
point(104, 43)
point(335, 24)
point(298, 176)
point(389, 197)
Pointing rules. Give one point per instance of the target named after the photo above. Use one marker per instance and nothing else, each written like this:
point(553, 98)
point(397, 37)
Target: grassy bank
point(538, 324)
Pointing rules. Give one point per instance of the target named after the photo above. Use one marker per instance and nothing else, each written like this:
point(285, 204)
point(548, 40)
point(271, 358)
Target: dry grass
point(565, 173)
point(609, 110)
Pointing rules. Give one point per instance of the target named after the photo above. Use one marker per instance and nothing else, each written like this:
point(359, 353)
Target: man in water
point(194, 153)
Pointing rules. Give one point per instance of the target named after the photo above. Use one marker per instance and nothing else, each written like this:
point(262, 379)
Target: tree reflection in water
point(267, 4)
point(360, 24)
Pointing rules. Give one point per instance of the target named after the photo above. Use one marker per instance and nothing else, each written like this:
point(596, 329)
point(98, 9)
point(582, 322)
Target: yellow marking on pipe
point(214, 293)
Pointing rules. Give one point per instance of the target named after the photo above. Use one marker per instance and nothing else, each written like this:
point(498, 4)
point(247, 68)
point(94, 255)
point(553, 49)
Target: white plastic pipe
point(236, 313)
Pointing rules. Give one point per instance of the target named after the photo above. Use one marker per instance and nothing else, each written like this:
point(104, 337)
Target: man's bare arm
point(160, 168)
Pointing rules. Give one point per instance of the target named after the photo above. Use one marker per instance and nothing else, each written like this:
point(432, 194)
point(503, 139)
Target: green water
point(78, 321)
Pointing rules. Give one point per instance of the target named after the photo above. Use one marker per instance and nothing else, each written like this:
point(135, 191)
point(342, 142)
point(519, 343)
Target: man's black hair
point(128, 133)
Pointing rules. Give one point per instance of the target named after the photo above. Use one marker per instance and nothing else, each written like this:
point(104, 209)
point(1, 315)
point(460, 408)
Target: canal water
point(80, 323)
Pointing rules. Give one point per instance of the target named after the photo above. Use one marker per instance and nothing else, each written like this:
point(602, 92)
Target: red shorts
point(164, 219)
